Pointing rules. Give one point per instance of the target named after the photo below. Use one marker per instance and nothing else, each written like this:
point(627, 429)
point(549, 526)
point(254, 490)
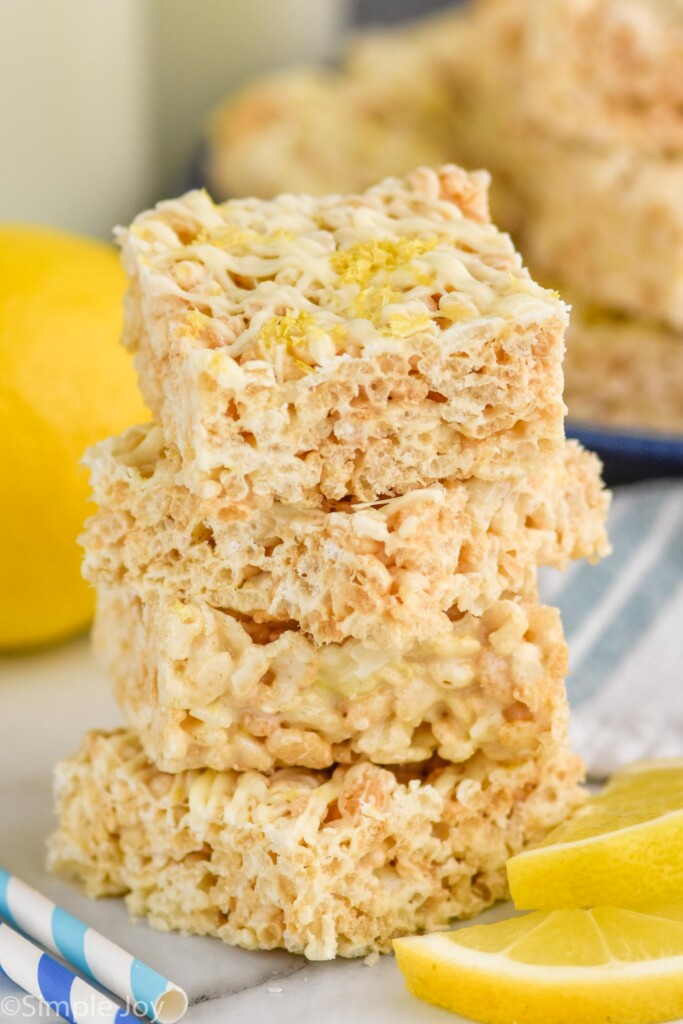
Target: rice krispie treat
point(386, 574)
point(322, 863)
point(363, 345)
point(606, 222)
point(609, 225)
point(598, 73)
point(203, 688)
point(321, 131)
point(623, 372)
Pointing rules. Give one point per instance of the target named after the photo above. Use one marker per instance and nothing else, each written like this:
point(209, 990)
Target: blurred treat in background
point(575, 108)
point(594, 72)
point(621, 371)
point(381, 110)
point(321, 130)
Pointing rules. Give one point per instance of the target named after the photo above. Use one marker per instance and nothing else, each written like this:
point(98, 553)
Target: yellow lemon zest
point(184, 613)
point(195, 323)
point(402, 325)
point(291, 330)
point(228, 237)
point(361, 263)
point(371, 301)
point(456, 311)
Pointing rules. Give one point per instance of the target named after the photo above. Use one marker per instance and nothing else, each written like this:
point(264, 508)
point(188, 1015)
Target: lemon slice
point(560, 967)
point(621, 848)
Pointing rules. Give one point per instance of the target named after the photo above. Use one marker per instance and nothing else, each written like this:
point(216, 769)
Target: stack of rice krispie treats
point(316, 571)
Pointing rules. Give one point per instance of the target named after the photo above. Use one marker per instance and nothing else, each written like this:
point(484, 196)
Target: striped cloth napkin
point(623, 622)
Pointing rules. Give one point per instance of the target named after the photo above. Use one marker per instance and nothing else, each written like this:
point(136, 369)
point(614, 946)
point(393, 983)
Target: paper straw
point(139, 986)
point(63, 991)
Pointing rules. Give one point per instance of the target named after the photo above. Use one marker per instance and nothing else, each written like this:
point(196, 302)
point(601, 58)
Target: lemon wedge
point(557, 967)
point(623, 847)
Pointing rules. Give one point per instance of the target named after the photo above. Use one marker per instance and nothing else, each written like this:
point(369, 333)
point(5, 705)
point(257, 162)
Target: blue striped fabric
point(623, 622)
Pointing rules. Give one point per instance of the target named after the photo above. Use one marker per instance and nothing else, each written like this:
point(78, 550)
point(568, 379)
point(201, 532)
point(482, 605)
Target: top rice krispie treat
point(353, 346)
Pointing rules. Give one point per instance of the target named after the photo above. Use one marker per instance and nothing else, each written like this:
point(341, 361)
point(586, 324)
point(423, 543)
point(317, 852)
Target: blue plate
point(628, 455)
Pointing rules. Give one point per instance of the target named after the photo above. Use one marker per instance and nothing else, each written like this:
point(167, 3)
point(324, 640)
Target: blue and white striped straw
point(63, 991)
point(89, 952)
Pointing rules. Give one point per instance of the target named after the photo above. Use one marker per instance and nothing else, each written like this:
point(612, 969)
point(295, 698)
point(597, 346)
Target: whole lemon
point(65, 382)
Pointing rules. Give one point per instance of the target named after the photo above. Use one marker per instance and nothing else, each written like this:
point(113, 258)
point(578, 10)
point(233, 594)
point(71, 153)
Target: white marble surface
point(46, 702)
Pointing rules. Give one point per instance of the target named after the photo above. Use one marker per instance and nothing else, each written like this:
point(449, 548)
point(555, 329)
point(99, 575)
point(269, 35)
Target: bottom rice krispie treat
point(323, 863)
